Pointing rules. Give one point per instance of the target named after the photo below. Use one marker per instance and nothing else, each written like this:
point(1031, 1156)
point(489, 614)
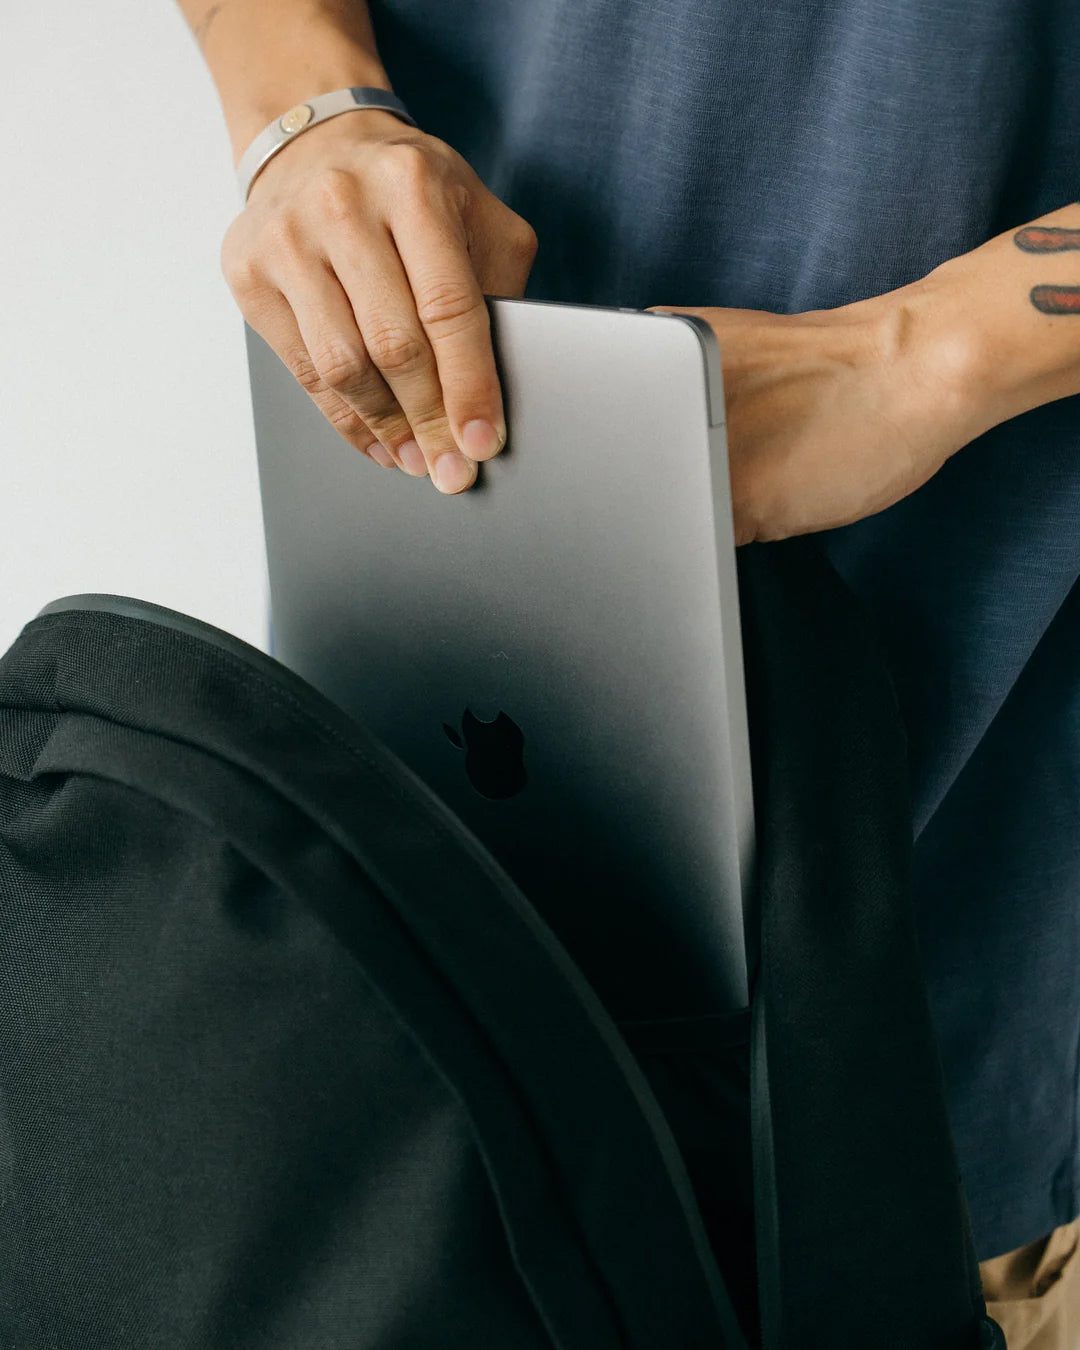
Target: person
point(874, 208)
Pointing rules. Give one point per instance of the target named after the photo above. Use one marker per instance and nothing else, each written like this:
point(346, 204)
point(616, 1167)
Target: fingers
point(421, 312)
point(341, 356)
point(275, 322)
point(402, 350)
point(365, 267)
point(450, 304)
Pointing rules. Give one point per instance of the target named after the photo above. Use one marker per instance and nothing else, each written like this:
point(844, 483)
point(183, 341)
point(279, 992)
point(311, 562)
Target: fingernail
point(381, 455)
point(479, 439)
point(412, 459)
point(452, 472)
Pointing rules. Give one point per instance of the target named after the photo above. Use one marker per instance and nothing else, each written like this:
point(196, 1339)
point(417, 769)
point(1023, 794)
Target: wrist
point(247, 118)
point(935, 345)
point(973, 330)
point(264, 65)
point(329, 144)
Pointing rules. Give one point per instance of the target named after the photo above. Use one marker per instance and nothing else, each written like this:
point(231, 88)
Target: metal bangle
point(300, 118)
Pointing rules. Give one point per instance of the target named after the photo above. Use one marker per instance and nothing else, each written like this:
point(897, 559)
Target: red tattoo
point(1056, 299)
point(1046, 239)
point(1051, 239)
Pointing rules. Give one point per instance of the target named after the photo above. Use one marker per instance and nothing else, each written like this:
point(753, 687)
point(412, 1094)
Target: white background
point(126, 437)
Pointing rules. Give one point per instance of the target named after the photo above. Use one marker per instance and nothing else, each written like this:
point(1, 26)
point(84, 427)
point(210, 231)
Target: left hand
point(835, 414)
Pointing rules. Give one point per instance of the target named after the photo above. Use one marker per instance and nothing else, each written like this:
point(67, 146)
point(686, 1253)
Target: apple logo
point(493, 754)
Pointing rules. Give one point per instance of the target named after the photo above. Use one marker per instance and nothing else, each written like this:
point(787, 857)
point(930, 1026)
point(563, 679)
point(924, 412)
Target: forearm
point(266, 55)
point(1000, 326)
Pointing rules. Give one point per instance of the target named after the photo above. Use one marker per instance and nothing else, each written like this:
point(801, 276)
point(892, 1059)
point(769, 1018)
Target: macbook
point(556, 650)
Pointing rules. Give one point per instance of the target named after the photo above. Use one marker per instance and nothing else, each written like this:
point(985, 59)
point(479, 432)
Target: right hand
point(362, 258)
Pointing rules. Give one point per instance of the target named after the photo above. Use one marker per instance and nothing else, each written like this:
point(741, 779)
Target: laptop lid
point(556, 651)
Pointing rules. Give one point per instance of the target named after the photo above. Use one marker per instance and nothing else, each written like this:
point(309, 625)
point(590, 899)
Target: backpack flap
point(201, 841)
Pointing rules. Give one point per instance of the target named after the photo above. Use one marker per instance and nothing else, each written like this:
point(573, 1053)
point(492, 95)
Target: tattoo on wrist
point(1051, 239)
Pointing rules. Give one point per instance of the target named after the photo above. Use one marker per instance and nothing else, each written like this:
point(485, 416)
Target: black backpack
point(288, 1063)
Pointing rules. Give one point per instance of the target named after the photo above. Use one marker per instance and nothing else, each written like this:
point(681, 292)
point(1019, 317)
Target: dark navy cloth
point(802, 154)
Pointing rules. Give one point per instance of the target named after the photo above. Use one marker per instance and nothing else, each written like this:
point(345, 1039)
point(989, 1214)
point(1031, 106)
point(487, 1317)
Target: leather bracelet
point(300, 118)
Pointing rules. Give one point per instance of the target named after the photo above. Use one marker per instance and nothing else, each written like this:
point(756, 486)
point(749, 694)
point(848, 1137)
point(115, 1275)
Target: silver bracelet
point(290, 124)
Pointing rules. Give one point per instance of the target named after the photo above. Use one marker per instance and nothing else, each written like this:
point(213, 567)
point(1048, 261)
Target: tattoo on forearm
point(204, 23)
point(1046, 239)
point(1056, 299)
point(1051, 239)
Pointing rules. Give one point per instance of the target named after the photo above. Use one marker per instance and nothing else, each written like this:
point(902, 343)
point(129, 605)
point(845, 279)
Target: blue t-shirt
point(803, 154)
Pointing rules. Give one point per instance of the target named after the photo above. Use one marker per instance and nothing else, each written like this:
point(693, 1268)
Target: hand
point(835, 414)
point(362, 258)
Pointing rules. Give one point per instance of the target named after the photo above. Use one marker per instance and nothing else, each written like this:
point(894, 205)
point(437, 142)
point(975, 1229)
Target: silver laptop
point(556, 651)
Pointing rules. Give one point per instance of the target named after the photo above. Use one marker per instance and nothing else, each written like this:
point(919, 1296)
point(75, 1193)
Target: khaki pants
point(1033, 1293)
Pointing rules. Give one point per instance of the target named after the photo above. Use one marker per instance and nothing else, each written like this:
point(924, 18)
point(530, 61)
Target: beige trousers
point(1033, 1293)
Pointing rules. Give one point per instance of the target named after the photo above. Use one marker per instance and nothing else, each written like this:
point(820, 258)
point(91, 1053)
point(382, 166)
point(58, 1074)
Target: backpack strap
point(855, 1173)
